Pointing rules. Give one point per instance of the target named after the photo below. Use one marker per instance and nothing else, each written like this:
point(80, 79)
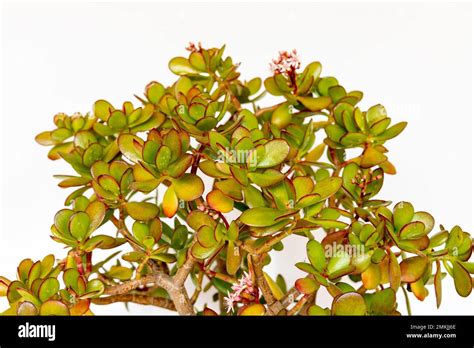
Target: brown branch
point(178, 294)
point(134, 298)
point(299, 306)
point(183, 272)
point(289, 297)
point(274, 306)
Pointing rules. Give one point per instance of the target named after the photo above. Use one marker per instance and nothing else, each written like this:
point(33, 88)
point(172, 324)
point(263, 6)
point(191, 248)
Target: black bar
point(224, 331)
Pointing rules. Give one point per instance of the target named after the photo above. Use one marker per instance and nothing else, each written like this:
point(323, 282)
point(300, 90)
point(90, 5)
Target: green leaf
point(391, 132)
point(268, 178)
point(94, 288)
point(371, 157)
point(142, 211)
point(163, 158)
point(316, 310)
point(188, 187)
point(220, 202)
point(275, 152)
point(282, 115)
point(253, 310)
point(413, 230)
point(306, 285)
point(315, 104)
point(170, 202)
point(316, 255)
point(96, 211)
point(233, 259)
point(231, 188)
point(79, 225)
point(261, 216)
point(426, 218)
point(403, 213)
point(131, 146)
point(381, 302)
point(48, 288)
point(349, 303)
point(462, 279)
point(327, 187)
point(53, 307)
point(102, 109)
point(413, 268)
point(181, 66)
point(120, 272)
point(339, 265)
point(375, 114)
point(179, 238)
point(27, 308)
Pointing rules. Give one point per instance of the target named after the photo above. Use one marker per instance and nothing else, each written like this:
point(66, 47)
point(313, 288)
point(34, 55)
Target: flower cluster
point(285, 63)
point(244, 291)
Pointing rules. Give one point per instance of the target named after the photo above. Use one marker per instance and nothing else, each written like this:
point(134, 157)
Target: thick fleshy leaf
point(53, 307)
point(371, 277)
point(338, 265)
point(27, 308)
point(196, 219)
point(231, 188)
point(462, 279)
point(181, 66)
point(200, 252)
point(142, 211)
point(274, 152)
point(413, 268)
point(372, 157)
point(426, 218)
point(79, 225)
point(394, 271)
point(381, 302)
point(206, 237)
point(349, 303)
point(403, 213)
point(48, 288)
point(260, 217)
point(281, 117)
point(188, 187)
point(437, 285)
point(413, 230)
point(253, 310)
point(328, 187)
point(315, 104)
point(233, 259)
point(102, 109)
point(96, 211)
point(131, 146)
point(4, 283)
point(170, 202)
point(179, 238)
point(163, 158)
point(120, 272)
point(316, 310)
point(392, 132)
point(375, 114)
point(316, 255)
point(275, 288)
point(267, 178)
point(306, 285)
point(220, 202)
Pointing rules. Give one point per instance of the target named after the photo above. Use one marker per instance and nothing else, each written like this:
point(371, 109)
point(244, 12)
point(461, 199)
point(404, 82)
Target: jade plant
point(203, 186)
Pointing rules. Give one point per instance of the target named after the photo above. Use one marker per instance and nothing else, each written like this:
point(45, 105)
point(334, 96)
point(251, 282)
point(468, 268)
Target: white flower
point(285, 63)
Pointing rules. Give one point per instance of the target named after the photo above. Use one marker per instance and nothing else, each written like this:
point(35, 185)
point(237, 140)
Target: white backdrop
point(413, 58)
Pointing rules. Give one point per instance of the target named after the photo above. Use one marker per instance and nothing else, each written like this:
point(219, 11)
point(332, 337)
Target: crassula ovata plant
point(201, 183)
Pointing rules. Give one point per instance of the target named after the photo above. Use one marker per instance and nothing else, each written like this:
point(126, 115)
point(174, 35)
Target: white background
point(413, 58)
